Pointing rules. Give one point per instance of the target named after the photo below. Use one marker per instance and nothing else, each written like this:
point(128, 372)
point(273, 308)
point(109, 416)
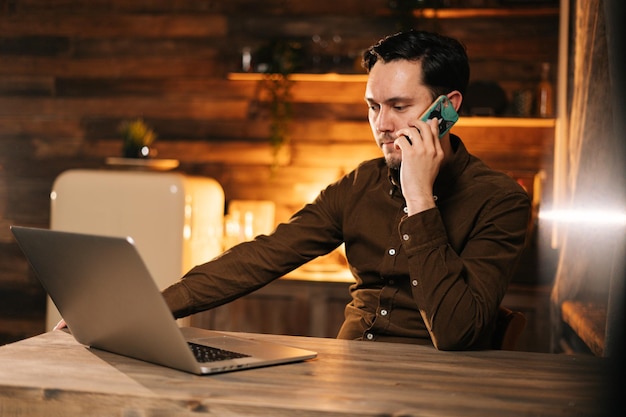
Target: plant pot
point(136, 151)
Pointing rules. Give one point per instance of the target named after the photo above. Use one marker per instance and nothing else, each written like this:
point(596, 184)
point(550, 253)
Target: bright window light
point(599, 217)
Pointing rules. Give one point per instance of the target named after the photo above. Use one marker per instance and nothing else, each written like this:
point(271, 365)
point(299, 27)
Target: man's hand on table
point(60, 325)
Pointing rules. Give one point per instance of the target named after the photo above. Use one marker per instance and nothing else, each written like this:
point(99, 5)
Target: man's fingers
point(60, 325)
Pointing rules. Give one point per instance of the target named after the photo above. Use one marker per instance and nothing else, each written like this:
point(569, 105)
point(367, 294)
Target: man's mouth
point(387, 143)
point(385, 140)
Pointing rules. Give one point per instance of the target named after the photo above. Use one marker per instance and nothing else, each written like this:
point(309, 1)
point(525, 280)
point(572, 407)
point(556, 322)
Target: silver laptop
point(109, 301)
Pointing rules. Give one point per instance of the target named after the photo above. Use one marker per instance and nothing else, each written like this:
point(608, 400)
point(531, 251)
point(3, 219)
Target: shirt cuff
point(422, 231)
point(176, 299)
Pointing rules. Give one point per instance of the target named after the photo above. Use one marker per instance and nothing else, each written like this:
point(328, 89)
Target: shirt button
point(369, 336)
point(383, 312)
point(406, 209)
point(414, 282)
point(392, 251)
point(405, 237)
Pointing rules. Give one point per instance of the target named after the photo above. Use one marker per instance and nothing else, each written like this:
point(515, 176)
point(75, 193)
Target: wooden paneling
point(71, 71)
point(91, 25)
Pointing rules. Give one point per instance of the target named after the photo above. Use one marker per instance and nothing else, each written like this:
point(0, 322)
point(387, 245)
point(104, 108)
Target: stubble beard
point(393, 161)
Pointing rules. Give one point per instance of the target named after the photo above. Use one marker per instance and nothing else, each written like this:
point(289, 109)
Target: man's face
point(396, 97)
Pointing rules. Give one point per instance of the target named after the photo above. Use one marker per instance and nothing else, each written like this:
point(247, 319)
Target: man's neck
point(447, 149)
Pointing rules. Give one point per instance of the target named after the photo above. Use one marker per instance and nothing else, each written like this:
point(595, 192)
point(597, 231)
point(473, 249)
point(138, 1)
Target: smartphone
point(444, 111)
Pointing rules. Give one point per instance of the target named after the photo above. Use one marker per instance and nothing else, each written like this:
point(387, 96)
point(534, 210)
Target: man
point(431, 233)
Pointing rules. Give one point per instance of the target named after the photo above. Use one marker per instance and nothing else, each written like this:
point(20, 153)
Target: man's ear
point(456, 98)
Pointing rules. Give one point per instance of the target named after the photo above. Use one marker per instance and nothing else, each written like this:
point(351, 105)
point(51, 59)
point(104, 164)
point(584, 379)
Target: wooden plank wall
point(72, 70)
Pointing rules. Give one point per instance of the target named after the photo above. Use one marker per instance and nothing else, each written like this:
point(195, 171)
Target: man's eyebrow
point(391, 100)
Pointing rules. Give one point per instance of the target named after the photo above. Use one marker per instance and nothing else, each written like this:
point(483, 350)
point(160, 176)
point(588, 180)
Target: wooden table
point(52, 375)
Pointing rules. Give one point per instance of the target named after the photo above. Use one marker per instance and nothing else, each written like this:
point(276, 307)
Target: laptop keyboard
point(212, 354)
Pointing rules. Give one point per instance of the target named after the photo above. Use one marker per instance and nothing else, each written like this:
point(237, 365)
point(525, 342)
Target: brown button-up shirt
point(435, 277)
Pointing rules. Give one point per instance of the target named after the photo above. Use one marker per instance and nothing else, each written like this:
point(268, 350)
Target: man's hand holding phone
point(422, 154)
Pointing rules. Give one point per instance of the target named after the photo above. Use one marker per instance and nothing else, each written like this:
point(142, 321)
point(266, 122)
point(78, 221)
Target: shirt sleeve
point(246, 267)
point(458, 293)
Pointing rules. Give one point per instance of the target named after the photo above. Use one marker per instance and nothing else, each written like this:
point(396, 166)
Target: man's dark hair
point(445, 65)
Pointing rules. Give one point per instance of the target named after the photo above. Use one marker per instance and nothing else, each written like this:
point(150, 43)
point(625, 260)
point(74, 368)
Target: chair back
point(509, 327)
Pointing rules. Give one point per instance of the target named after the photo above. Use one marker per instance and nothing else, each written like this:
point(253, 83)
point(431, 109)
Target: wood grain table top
point(52, 374)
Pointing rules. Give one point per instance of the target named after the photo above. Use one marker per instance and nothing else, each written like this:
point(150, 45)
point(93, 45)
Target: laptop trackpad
point(226, 343)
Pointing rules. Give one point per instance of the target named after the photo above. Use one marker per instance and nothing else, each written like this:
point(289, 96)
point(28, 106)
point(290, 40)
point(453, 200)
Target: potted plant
point(277, 61)
point(137, 138)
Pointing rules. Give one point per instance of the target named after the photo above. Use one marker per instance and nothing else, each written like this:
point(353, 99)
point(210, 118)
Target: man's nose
point(384, 122)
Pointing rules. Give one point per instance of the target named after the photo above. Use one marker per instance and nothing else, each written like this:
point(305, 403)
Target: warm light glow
point(248, 228)
point(188, 212)
point(307, 192)
point(598, 217)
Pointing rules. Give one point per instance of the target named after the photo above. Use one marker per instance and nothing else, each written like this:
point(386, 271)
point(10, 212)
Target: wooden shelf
point(465, 121)
point(326, 77)
point(588, 321)
point(480, 121)
point(468, 13)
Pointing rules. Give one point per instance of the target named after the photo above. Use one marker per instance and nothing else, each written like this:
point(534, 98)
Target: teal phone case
point(443, 110)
